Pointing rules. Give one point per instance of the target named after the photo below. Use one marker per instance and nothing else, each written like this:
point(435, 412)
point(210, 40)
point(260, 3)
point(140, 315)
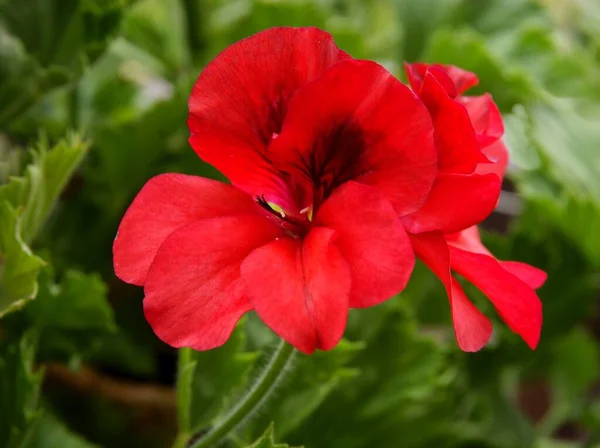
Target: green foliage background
point(93, 102)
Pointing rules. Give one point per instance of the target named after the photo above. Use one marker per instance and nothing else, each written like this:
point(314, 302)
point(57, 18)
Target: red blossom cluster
point(340, 175)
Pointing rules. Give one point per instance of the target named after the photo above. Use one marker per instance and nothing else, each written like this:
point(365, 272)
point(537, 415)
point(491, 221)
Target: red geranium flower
point(324, 152)
point(472, 162)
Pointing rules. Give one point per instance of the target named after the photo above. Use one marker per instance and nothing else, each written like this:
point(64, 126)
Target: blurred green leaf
point(48, 44)
point(19, 390)
point(508, 83)
point(18, 266)
point(71, 316)
point(49, 432)
point(46, 177)
point(267, 440)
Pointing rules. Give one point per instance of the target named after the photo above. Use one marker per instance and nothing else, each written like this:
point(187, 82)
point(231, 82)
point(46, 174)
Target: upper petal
point(455, 138)
point(472, 328)
point(299, 288)
point(357, 122)
point(193, 293)
point(461, 79)
point(498, 157)
point(372, 240)
point(166, 203)
point(516, 302)
point(240, 99)
point(485, 117)
point(456, 201)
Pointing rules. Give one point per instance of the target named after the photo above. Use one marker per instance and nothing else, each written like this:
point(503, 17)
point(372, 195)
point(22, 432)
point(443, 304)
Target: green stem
point(259, 392)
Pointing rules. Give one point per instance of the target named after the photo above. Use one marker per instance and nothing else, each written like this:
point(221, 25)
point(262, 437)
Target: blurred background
point(93, 102)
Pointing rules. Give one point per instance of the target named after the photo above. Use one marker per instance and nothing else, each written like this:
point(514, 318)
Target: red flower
point(324, 152)
point(472, 162)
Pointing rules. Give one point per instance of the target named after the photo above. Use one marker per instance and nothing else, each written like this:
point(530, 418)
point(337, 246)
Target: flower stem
point(246, 406)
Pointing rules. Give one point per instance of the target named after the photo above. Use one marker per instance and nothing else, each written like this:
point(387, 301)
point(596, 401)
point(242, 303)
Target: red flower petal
point(166, 203)
point(485, 117)
point(240, 99)
point(498, 155)
point(371, 239)
point(468, 240)
point(516, 302)
point(299, 288)
point(528, 274)
point(416, 76)
point(194, 294)
point(455, 139)
point(357, 122)
point(456, 202)
point(461, 79)
point(472, 328)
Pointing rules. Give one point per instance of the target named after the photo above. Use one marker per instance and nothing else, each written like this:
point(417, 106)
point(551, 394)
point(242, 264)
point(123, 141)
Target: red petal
point(456, 202)
point(485, 117)
point(416, 76)
point(194, 294)
point(357, 122)
point(515, 301)
point(240, 99)
point(498, 155)
point(166, 203)
point(529, 275)
point(468, 240)
point(305, 301)
point(371, 239)
point(461, 79)
point(472, 328)
point(455, 139)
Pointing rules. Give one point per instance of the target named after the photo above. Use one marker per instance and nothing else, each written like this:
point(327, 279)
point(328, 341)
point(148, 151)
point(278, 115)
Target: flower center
point(296, 224)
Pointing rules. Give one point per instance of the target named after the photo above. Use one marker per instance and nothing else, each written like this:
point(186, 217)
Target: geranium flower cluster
point(340, 175)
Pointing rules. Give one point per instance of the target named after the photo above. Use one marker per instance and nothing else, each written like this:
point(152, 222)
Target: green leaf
point(49, 43)
point(19, 267)
point(46, 177)
point(49, 432)
point(558, 183)
point(574, 370)
point(267, 440)
point(19, 390)
point(73, 315)
point(509, 83)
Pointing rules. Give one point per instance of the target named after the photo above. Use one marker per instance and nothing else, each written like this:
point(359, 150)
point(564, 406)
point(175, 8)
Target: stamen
point(308, 211)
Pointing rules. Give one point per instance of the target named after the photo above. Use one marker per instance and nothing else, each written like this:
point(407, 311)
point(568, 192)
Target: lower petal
point(372, 240)
point(529, 275)
point(299, 288)
point(469, 240)
point(516, 302)
point(194, 295)
point(472, 328)
point(456, 202)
